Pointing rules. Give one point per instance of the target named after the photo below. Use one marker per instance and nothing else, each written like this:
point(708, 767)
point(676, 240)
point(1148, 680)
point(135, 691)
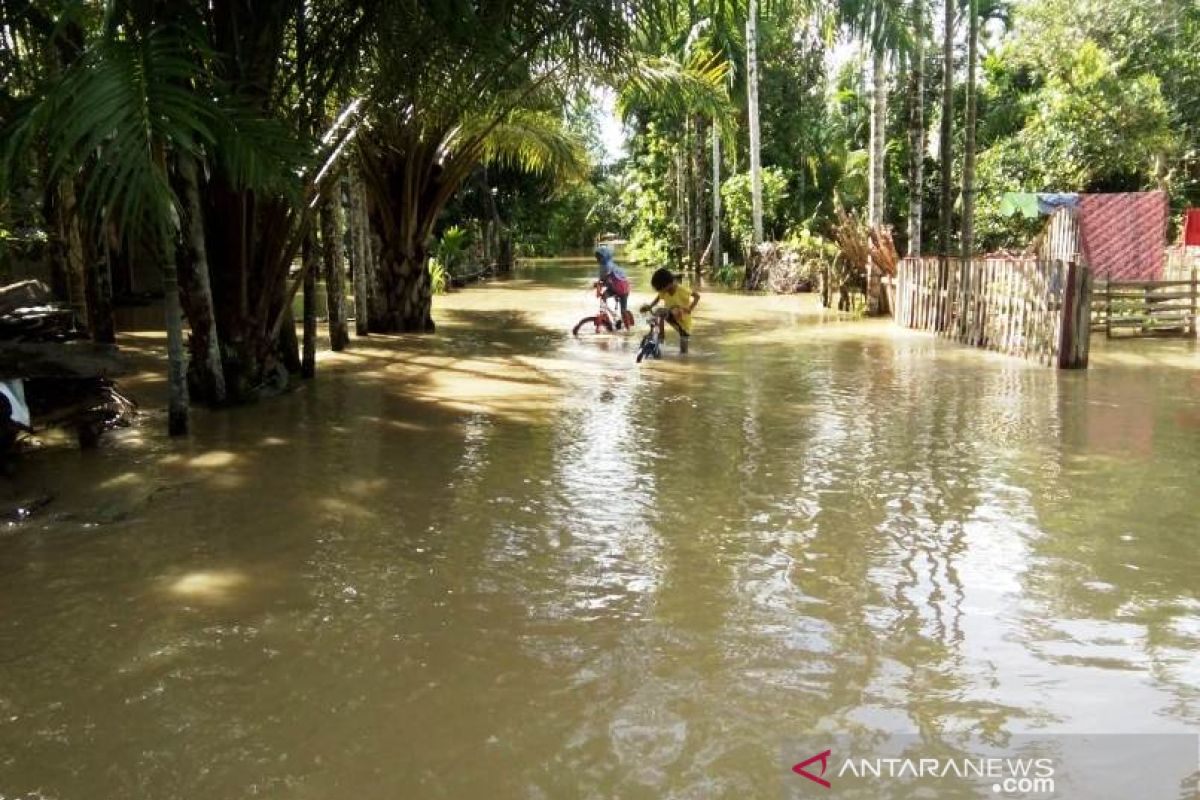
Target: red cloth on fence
point(1124, 234)
point(1191, 227)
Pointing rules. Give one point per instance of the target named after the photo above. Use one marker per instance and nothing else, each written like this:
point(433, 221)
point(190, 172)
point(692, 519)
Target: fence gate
point(1147, 308)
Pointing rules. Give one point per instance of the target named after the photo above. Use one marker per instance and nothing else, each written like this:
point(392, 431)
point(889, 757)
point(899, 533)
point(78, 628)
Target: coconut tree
point(968, 173)
point(946, 206)
point(881, 26)
point(916, 129)
point(752, 117)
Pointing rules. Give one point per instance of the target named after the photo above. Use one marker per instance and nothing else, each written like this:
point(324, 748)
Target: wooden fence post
point(1195, 327)
point(1108, 309)
point(1073, 333)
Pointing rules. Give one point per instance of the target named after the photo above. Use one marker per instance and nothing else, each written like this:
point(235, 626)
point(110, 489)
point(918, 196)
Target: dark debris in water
point(15, 512)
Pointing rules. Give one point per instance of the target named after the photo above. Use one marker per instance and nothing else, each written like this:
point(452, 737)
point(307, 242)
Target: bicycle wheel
point(643, 348)
point(580, 324)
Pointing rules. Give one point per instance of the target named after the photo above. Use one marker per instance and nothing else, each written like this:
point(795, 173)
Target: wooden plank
point(1115, 285)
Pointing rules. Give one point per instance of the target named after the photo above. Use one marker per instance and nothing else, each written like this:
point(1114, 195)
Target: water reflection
point(504, 562)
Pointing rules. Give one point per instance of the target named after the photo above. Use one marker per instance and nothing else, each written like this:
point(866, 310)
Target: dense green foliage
point(735, 194)
point(1099, 95)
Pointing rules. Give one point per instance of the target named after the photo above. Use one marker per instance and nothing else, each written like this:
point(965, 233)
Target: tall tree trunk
point(289, 345)
point(497, 235)
point(359, 263)
point(177, 384)
point(99, 294)
point(717, 255)
point(916, 130)
point(946, 207)
point(756, 208)
point(877, 154)
point(376, 302)
point(206, 345)
point(699, 181)
point(335, 265)
point(308, 263)
point(73, 253)
point(968, 176)
point(682, 219)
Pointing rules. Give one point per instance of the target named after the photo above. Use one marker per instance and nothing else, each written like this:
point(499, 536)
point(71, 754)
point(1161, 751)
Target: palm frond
point(529, 141)
point(117, 111)
point(699, 86)
point(257, 151)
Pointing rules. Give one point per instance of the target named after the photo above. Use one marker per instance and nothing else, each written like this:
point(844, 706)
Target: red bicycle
point(608, 316)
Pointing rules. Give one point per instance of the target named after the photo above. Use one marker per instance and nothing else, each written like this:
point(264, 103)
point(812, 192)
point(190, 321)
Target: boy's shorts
point(665, 313)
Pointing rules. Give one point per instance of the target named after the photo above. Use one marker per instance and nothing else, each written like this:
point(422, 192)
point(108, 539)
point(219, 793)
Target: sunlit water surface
point(505, 563)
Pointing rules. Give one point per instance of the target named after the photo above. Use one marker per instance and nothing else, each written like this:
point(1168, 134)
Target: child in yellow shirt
point(678, 303)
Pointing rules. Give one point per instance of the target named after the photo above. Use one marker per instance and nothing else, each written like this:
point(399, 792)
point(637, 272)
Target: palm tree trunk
point(402, 269)
point(99, 295)
point(74, 266)
point(289, 346)
point(681, 201)
point(877, 153)
point(756, 209)
point(717, 256)
point(308, 263)
point(699, 234)
point(206, 344)
point(878, 134)
point(359, 261)
point(968, 176)
point(177, 385)
point(916, 131)
point(335, 267)
point(946, 209)
point(496, 226)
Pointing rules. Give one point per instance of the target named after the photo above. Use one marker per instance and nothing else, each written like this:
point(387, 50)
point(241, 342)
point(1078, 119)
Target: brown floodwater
point(503, 562)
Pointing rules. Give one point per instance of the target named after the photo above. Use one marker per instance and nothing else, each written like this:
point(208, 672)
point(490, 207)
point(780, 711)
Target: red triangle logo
point(799, 769)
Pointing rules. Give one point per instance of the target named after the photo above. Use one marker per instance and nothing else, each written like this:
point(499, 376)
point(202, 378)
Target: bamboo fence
point(1021, 306)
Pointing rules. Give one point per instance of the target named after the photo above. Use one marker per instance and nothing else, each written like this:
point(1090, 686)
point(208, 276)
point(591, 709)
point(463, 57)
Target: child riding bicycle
point(678, 303)
point(614, 282)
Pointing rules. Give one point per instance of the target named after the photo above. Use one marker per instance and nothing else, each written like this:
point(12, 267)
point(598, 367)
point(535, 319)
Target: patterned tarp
point(1124, 234)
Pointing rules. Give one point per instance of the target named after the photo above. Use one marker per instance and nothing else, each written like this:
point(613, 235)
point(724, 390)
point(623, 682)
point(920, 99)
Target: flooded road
point(505, 563)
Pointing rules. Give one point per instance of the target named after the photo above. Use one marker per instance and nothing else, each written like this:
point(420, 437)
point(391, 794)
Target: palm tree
point(968, 176)
point(717, 256)
point(916, 130)
point(451, 87)
point(878, 23)
point(945, 155)
point(137, 102)
point(756, 209)
point(119, 110)
point(335, 265)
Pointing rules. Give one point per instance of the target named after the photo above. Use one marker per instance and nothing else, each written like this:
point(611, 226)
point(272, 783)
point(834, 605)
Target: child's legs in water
point(671, 316)
point(622, 299)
